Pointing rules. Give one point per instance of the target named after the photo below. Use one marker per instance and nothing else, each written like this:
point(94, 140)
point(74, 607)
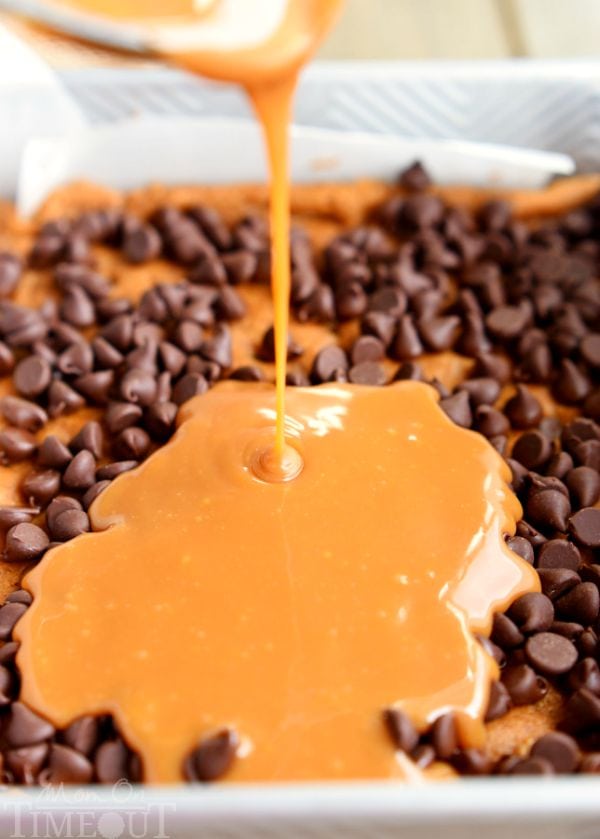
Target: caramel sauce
point(291, 563)
point(292, 611)
point(146, 9)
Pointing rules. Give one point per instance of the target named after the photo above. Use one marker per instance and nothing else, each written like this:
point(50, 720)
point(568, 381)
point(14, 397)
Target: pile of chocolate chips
point(522, 301)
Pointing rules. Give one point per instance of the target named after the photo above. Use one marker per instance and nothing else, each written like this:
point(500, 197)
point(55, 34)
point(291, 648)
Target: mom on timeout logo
point(60, 812)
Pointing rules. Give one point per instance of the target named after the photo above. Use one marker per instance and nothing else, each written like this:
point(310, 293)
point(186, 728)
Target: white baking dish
point(530, 808)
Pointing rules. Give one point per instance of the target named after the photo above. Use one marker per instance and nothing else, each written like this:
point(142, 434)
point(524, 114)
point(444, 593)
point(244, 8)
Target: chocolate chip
point(532, 449)
point(380, 325)
point(422, 211)
point(585, 674)
point(366, 348)
point(568, 629)
point(107, 357)
point(96, 386)
point(444, 736)
point(557, 581)
point(53, 453)
point(507, 322)
point(248, 373)
point(213, 757)
point(77, 309)
point(240, 266)
point(427, 303)
point(550, 654)
point(415, 178)
point(401, 730)
point(93, 492)
point(32, 376)
point(527, 531)
point(25, 764)
point(590, 349)
point(9, 516)
point(138, 386)
point(8, 652)
point(68, 524)
point(581, 604)
point(558, 553)
point(390, 300)
point(111, 762)
point(473, 340)
point(141, 242)
point(532, 766)
point(25, 728)
point(7, 359)
point(23, 414)
point(190, 385)
point(230, 306)
point(407, 343)
point(62, 399)
point(584, 485)
point(439, 333)
point(505, 632)
point(11, 269)
point(143, 356)
point(113, 470)
point(47, 250)
point(523, 685)
point(521, 547)
point(24, 543)
point(587, 643)
point(472, 762)
point(519, 474)
point(495, 366)
point(584, 526)
point(82, 734)
point(132, 444)
point(76, 360)
point(160, 419)
point(80, 473)
point(40, 487)
point(499, 702)
point(458, 408)
point(409, 371)
point(582, 712)
point(367, 373)
point(559, 465)
point(523, 409)
point(67, 766)
point(219, 348)
point(66, 276)
point(572, 385)
point(587, 453)
point(532, 612)
point(89, 437)
point(9, 615)
point(266, 350)
point(549, 509)
point(542, 483)
point(490, 422)
point(327, 362)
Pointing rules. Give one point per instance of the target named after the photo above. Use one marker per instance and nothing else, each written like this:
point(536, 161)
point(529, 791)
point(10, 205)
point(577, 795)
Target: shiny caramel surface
point(292, 612)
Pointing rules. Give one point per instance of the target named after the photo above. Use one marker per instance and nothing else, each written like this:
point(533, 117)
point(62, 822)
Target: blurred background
point(502, 83)
point(466, 29)
point(422, 29)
